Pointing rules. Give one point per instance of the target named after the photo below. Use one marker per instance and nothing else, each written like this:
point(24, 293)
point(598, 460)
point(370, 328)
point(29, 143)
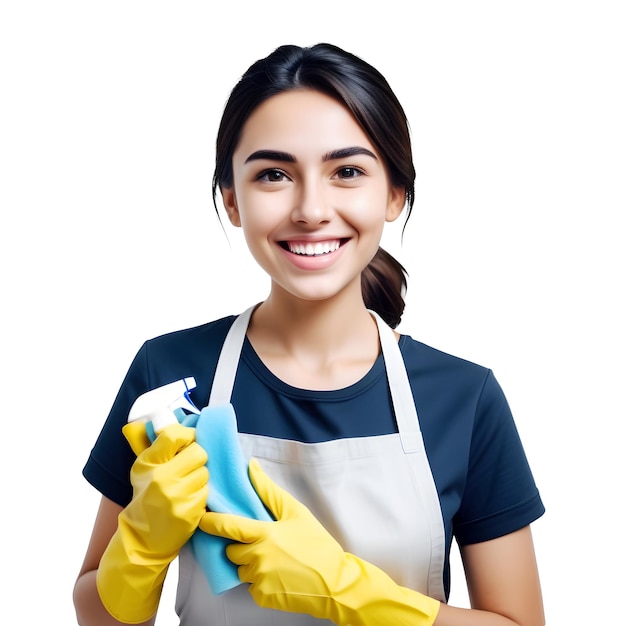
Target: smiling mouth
point(310, 248)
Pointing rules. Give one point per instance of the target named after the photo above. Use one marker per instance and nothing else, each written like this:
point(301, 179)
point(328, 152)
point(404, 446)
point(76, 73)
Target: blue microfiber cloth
point(230, 490)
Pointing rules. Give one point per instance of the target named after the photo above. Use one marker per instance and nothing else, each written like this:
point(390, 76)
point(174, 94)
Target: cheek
point(260, 213)
point(366, 207)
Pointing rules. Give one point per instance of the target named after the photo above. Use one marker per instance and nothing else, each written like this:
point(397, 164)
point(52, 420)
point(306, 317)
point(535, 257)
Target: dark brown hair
point(367, 95)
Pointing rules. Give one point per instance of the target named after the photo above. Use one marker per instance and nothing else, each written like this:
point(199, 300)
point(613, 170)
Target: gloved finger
point(245, 570)
point(189, 459)
point(245, 554)
point(194, 506)
point(189, 479)
point(281, 504)
point(137, 437)
point(234, 527)
point(169, 442)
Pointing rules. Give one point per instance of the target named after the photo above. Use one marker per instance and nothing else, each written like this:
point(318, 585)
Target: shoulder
point(205, 336)
point(183, 353)
point(465, 391)
point(428, 365)
point(453, 396)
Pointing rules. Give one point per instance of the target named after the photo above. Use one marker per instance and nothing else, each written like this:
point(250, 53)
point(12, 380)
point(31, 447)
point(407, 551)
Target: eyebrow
point(342, 153)
point(271, 155)
point(285, 157)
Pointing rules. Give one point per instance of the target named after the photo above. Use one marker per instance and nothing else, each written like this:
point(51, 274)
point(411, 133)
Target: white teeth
point(314, 249)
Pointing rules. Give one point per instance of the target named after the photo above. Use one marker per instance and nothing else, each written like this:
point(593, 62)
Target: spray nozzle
point(158, 406)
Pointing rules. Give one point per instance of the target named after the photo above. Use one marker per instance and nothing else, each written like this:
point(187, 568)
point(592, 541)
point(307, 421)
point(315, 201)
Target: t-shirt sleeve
point(110, 460)
point(500, 494)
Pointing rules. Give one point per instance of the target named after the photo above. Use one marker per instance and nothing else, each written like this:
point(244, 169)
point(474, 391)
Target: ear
point(395, 203)
point(230, 204)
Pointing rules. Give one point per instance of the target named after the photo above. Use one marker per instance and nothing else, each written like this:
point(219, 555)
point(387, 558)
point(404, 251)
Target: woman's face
point(311, 193)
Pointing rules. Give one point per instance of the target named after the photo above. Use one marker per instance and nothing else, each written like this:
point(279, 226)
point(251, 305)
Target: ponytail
point(383, 285)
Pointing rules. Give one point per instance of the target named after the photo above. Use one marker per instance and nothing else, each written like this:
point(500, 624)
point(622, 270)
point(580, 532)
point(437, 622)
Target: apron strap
point(413, 442)
point(400, 388)
point(226, 370)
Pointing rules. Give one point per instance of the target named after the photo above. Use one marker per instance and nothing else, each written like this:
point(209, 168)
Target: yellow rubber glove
point(293, 564)
point(170, 489)
point(137, 437)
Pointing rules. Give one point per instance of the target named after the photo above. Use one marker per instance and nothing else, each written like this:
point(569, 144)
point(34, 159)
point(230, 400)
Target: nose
point(312, 204)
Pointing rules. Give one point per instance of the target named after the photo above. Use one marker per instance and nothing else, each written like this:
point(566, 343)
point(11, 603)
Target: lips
point(313, 248)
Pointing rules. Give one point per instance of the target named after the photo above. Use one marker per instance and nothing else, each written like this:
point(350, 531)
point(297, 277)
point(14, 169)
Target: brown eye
point(349, 172)
point(272, 176)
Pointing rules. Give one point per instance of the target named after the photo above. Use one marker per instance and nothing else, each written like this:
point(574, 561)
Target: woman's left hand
point(294, 564)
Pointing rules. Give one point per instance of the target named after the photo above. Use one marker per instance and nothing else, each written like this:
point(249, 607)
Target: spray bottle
point(157, 408)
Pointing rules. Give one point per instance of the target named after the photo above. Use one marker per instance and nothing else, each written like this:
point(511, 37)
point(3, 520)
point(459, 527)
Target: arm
point(89, 609)
point(503, 584)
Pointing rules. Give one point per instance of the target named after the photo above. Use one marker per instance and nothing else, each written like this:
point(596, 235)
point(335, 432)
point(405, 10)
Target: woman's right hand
point(170, 490)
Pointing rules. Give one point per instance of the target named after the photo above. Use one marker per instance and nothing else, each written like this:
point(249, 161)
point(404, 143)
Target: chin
point(320, 292)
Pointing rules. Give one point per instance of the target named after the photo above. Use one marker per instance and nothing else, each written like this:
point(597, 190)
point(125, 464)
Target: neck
point(326, 322)
point(315, 343)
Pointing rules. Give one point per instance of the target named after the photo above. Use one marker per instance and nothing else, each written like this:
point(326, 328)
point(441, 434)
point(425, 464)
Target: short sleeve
point(110, 460)
point(500, 495)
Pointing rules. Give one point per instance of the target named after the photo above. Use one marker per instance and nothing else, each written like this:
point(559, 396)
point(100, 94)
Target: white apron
point(375, 495)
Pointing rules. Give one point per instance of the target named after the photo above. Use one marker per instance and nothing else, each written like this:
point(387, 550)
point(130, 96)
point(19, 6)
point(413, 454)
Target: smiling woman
point(370, 449)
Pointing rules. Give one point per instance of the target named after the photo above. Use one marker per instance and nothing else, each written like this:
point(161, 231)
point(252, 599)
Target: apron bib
point(375, 495)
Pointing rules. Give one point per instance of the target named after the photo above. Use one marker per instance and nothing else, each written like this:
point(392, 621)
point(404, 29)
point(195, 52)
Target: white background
point(108, 114)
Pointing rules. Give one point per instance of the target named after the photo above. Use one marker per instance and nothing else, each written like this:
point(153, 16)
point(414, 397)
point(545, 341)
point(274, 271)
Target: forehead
point(301, 121)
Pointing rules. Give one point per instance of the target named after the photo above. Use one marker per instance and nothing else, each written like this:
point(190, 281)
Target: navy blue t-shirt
point(485, 486)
